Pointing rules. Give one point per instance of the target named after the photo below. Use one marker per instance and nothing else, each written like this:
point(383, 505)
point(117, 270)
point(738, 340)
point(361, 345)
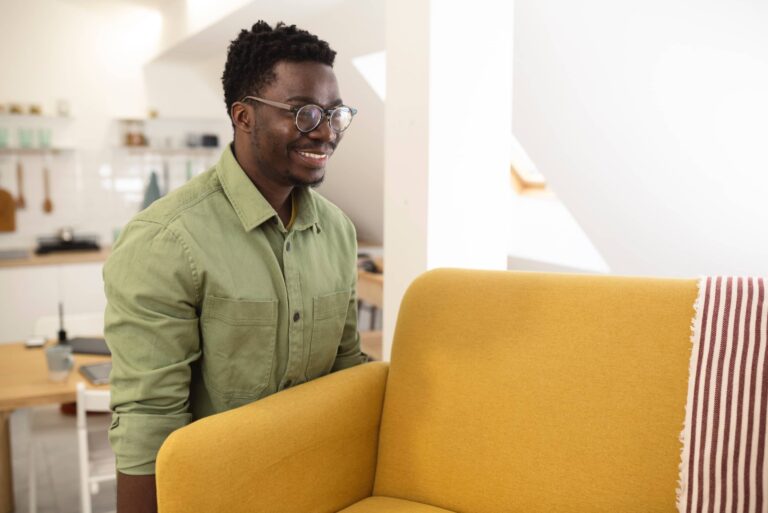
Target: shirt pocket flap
point(330, 305)
point(241, 311)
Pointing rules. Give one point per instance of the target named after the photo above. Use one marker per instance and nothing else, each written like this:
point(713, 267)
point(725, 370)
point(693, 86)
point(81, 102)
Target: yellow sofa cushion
point(308, 448)
point(390, 505)
point(527, 392)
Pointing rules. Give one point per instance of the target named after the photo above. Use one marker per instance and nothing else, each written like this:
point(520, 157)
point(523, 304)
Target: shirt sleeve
point(349, 353)
point(151, 328)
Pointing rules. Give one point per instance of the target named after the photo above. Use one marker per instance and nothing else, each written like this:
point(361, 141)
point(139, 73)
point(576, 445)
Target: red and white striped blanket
point(723, 467)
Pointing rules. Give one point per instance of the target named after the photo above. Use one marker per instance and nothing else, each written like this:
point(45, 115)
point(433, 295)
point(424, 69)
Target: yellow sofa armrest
point(311, 448)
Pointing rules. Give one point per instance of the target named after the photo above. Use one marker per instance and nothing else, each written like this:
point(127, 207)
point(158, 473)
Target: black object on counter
point(47, 245)
point(62, 331)
point(209, 141)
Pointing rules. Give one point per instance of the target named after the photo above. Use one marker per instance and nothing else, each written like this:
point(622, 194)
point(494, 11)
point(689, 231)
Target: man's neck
point(276, 195)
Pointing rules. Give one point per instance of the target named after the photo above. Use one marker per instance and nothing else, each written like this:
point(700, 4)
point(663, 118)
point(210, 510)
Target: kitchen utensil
point(189, 170)
point(152, 192)
point(47, 204)
point(166, 177)
point(7, 212)
point(20, 203)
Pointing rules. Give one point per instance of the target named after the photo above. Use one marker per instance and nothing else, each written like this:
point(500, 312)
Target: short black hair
point(252, 56)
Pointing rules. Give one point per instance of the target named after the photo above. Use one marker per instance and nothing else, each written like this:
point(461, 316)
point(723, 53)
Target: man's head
point(269, 74)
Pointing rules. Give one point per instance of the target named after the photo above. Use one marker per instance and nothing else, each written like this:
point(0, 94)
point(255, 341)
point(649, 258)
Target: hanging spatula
point(47, 203)
point(7, 212)
point(20, 203)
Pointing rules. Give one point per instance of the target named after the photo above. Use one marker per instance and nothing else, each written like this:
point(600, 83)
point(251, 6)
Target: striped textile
point(723, 467)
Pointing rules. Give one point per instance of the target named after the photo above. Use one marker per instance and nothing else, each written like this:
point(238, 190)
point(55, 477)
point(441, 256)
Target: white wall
point(447, 136)
point(355, 179)
point(648, 119)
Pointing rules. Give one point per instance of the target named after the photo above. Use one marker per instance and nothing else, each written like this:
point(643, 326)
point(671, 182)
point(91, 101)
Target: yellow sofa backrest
point(529, 392)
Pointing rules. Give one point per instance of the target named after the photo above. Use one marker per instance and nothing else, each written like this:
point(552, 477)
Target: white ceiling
point(109, 4)
point(214, 39)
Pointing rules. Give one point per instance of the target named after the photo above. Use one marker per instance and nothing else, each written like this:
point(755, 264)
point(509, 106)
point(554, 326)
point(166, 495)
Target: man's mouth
point(313, 158)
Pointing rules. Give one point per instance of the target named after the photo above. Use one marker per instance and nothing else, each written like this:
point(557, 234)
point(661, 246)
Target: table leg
point(6, 478)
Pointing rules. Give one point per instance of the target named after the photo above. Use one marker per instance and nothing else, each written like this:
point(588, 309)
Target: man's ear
point(242, 117)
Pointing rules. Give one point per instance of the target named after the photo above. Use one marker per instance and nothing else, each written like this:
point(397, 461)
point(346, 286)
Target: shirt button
point(296, 317)
point(288, 246)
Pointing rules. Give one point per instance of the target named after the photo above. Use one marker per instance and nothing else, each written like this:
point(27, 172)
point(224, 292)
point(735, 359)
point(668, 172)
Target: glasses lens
point(341, 118)
point(308, 117)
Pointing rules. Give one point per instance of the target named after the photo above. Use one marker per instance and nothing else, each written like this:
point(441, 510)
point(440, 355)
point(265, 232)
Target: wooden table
point(61, 258)
point(370, 288)
point(24, 383)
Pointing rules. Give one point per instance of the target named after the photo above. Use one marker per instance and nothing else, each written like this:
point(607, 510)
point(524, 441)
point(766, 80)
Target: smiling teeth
point(315, 156)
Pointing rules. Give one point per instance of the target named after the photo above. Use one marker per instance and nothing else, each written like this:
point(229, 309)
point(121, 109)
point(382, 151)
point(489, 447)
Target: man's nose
point(323, 132)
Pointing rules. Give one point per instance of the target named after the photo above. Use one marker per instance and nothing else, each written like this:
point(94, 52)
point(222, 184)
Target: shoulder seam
point(190, 261)
point(181, 210)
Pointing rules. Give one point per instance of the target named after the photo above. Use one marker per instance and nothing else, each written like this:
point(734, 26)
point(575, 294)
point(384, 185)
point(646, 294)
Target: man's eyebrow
point(307, 99)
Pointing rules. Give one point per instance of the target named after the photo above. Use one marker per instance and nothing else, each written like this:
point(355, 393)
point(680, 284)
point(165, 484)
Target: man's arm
point(136, 493)
point(349, 353)
point(151, 328)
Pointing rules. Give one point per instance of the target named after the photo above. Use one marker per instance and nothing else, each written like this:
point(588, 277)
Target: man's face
point(284, 154)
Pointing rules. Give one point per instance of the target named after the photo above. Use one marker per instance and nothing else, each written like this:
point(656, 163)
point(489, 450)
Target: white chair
point(97, 461)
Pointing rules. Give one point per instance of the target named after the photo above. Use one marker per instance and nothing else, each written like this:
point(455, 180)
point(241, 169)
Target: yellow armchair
point(519, 392)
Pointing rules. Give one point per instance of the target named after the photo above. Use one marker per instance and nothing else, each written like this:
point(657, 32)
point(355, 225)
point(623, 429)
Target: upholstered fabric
point(390, 505)
point(308, 448)
point(507, 392)
point(527, 392)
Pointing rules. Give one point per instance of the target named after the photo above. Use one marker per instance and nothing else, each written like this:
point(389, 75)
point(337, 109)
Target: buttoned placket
point(293, 369)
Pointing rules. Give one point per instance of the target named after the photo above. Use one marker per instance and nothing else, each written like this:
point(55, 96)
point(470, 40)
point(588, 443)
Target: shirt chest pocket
point(329, 316)
point(239, 338)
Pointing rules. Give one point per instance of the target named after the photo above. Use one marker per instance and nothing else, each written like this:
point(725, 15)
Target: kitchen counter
point(62, 258)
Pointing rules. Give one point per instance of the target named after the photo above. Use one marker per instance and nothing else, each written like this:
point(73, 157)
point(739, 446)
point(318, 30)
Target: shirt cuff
point(345, 362)
point(136, 439)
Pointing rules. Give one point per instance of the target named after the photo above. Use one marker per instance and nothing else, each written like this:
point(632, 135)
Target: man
point(241, 283)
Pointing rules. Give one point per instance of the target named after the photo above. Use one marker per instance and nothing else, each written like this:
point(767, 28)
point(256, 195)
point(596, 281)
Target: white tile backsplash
point(96, 191)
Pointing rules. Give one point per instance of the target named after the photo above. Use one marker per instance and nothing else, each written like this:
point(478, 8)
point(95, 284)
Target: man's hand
point(136, 494)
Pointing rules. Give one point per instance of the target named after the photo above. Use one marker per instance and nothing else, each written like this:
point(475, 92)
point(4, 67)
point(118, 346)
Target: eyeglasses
point(309, 117)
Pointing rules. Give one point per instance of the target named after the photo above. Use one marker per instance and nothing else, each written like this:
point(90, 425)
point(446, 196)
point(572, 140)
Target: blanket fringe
point(681, 493)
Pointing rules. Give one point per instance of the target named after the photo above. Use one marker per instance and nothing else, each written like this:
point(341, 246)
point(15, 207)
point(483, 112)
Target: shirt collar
point(250, 205)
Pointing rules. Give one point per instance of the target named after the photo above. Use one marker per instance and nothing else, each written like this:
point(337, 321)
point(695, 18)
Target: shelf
point(146, 150)
point(173, 120)
point(9, 118)
point(34, 151)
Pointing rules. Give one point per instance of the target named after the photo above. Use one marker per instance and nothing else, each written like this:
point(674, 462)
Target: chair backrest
point(96, 400)
point(89, 400)
point(537, 392)
point(77, 325)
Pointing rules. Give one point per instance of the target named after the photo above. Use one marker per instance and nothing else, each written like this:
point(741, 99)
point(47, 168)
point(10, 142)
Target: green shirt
point(213, 304)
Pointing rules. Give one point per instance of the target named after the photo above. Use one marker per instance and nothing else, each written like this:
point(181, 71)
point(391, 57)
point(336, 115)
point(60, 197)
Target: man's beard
point(299, 183)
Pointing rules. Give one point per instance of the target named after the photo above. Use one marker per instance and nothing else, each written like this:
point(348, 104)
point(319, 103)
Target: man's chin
point(310, 180)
